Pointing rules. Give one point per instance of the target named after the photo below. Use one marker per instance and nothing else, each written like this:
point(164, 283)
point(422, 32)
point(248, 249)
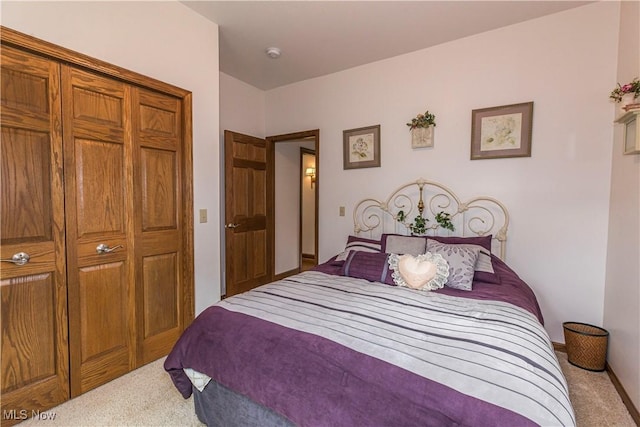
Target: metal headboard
point(479, 216)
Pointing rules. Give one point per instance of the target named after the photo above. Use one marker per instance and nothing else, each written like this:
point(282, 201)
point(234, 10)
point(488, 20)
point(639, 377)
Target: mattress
point(320, 349)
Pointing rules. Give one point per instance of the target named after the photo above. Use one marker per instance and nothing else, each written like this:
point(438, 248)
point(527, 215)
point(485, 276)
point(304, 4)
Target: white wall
point(241, 107)
point(166, 41)
point(558, 198)
point(241, 111)
point(622, 296)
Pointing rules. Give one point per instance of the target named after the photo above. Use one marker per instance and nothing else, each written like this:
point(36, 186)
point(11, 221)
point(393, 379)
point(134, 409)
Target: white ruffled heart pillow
point(424, 272)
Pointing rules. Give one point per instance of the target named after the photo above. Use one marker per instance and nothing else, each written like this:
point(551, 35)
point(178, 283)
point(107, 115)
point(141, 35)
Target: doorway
point(308, 216)
point(295, 202)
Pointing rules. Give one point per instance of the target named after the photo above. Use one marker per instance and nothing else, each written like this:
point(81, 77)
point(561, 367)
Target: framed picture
point(361, 147)
point(500, 132)
point(631, 138)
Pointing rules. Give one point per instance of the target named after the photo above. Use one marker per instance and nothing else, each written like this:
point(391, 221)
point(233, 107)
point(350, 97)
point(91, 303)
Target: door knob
point(20, 258)
point(103, 248)
point(232, 225)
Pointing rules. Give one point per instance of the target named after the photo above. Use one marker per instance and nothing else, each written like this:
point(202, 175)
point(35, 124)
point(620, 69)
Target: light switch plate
point(203, 215)
point(341, 210)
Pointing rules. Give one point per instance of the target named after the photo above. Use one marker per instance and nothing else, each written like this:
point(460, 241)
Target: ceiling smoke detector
point(273, 52)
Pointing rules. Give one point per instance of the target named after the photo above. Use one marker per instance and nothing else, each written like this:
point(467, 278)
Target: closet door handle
point(103, 248)
point(232, 225)
point(21, 258)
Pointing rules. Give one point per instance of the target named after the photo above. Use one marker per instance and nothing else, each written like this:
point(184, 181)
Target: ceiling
point(323, 37)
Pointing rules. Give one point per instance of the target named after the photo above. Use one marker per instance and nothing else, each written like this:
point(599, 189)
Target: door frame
point(271, 184)
point(307, 152)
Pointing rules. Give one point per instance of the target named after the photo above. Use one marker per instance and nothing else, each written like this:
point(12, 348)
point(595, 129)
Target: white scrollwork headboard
point(479, 216)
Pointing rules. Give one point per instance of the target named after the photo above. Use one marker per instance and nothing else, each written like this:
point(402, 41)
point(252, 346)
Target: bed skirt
point(217, 406)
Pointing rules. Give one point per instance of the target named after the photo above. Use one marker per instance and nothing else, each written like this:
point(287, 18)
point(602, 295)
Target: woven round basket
point(586, 345)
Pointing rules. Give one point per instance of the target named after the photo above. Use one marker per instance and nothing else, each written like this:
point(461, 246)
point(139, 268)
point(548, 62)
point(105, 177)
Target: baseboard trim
point(635, 415)
point(286, 274)
point(628, 403)
point(309, 256)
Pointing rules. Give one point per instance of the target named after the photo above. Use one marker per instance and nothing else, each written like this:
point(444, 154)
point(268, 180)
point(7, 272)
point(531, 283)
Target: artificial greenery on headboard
point(419, 224)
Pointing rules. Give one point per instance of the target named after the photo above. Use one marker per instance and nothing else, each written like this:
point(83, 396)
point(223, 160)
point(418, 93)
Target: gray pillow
point(462, 262)
point(484, 257)
point(396, 244)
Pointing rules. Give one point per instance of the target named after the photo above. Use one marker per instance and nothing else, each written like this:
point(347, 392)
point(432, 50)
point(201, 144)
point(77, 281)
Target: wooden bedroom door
point(100, 234)
point(249, 261)
point(158, 160)
point(34, 359)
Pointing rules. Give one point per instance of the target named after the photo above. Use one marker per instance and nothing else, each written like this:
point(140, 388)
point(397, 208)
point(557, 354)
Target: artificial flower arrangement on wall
point(628, 115)
point(627, 95)
point(421, 128)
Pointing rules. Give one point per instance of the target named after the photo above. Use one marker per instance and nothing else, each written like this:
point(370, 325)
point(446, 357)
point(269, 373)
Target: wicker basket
point(586, 345)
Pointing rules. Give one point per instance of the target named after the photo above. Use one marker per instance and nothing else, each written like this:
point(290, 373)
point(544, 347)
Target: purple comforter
point(314, 381)
point(511, 289)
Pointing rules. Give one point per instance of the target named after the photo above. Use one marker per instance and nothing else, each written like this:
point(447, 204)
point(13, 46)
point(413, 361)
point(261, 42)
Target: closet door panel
point(34, 354)
point(158, 142)
point(99, 200)
point(26, 175)
point(159, 191)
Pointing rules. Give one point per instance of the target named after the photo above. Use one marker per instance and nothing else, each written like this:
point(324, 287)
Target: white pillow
point(423, 272)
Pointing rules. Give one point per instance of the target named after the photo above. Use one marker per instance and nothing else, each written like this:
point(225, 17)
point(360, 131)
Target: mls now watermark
point(23, 414)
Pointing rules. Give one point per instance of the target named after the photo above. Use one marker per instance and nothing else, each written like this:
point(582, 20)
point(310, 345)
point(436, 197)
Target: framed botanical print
point(361, 147)
point(631, 135)
point(500, 132)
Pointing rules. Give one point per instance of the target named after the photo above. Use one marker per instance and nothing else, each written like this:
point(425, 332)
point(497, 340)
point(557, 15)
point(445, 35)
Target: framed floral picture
point(361, 147)
point(500, 132)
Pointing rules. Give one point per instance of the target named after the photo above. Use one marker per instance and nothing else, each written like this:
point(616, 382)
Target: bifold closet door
point(100, 234)
point(160, 290)
point(35, 363)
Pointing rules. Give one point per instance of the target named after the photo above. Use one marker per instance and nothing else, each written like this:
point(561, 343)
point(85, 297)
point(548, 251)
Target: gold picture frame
point(361, 147)
point(502, 132)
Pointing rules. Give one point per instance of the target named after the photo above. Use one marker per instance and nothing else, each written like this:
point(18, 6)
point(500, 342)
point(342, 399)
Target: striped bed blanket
point(330, 350)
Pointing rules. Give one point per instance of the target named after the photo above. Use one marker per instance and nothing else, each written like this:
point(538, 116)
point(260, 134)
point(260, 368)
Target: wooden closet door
point(99, 219)
point(160, 293)
point(34, 355)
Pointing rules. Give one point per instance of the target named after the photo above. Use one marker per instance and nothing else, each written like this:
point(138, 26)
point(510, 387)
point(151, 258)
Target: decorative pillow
point(355, 243)
point(484, 241)
point(424, 272)
point(397, 244)
point(483, 270)
point(372, 266)
point(462, 262)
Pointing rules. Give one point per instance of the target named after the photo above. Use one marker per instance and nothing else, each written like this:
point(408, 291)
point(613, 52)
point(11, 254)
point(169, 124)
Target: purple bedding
point(511, 289)
point(341, 388)
point(315, 381)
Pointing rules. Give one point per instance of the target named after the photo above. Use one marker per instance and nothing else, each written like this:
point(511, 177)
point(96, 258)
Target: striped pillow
point(355, 243)
point(373, 267)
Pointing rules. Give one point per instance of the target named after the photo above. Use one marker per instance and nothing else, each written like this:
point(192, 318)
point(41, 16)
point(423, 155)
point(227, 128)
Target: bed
point(343, 345)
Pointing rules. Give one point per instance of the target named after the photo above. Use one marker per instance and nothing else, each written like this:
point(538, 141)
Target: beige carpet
point(146, 397)
point(595, 400)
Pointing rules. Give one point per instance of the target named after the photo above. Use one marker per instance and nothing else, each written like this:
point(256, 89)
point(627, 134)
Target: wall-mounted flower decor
point(422, 121)
point(632, 88)
point(421, 128)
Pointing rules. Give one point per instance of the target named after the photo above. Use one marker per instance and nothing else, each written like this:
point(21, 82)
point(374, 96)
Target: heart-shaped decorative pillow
point(425, 272)
point(416, 272)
